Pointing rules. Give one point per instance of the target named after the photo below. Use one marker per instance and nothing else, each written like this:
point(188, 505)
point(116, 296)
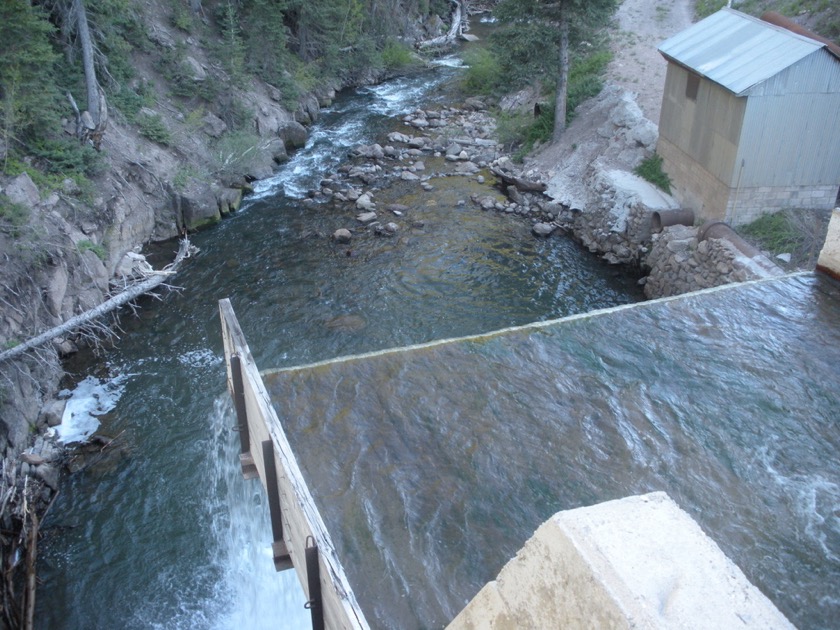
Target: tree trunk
point(91, 84)
point(562, 78)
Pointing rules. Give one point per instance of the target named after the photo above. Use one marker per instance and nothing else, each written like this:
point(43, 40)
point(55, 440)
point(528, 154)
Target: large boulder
point(196, 208)
point(23, 190)
point(293, 134)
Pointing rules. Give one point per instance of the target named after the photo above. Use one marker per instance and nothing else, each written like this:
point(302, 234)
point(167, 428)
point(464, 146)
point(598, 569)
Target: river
point(168, 535)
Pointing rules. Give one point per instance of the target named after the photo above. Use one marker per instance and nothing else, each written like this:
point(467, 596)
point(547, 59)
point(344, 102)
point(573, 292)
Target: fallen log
point(454, 30)
point(154, 279)
point(524, 185)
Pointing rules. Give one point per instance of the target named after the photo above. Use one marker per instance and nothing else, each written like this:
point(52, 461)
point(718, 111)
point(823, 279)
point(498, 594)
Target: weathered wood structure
point(750, 118)
point(300, 539)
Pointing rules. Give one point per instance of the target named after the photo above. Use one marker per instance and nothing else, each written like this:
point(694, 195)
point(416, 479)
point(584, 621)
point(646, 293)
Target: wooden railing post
point(246, 460)
point(282, 559)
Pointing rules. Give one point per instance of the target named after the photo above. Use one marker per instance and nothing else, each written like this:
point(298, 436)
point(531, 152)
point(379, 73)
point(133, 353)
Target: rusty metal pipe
point(719, 229)
point(663, 218)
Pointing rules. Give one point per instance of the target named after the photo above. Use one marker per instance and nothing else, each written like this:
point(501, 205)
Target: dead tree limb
point(524, 185)
point(153, 280)
point(454, 30)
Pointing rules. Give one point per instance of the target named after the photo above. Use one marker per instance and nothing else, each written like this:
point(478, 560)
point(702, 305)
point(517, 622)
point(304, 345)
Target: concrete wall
point(829, 260)
point(747, 204)
point(692, 185)
point(639, 562)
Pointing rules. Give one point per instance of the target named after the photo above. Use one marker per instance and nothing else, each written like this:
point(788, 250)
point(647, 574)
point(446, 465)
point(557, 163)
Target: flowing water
point(169, 535)
point(432, 466)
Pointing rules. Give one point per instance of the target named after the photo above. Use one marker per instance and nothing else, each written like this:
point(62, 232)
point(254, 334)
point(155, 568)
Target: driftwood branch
point(454, 30)
point(524, 185)
point(152, 281)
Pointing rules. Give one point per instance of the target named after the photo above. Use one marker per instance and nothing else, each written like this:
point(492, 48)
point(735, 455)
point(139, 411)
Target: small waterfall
point(253, 594)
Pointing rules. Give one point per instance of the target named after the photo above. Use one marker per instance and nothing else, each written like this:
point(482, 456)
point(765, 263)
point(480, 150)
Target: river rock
point(212, 125)
point(475, 104)
point(396, 208)
point(409, 176)
point(229, 200)
point(342, 235)
point(364, 202)
point(373, 151)
point(396, 136)
point(543, 229)
point(48, 474)
point(366, 217)
point(52, 412)
point(293, 134)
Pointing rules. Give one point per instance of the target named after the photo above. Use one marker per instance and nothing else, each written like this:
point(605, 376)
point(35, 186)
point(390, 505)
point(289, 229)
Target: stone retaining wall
point(679, 263)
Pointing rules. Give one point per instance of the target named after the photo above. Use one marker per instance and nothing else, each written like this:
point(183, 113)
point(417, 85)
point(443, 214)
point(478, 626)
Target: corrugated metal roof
point(736, 50)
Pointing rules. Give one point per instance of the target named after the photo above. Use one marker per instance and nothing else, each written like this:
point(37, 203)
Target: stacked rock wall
point(679, 262)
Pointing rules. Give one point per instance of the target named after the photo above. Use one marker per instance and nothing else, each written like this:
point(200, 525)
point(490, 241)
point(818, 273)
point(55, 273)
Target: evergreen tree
point(27, 94)
point(558, 23)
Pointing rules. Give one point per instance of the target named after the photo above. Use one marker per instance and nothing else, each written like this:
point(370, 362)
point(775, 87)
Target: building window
point(692, 85)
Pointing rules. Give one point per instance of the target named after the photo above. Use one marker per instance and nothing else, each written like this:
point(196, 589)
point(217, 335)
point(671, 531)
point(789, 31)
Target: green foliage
point(152, 127)
point(48, 181)
point(705, 8)
point(797, 231)
point(27, 93)
point(586, 78)
point(183, 175)
point(525, 130)
point(232, 48)
point(90, 246)
point(63, 155)
point(651, 170)
point(181, 17)
point(130, 101)
point(483, 75)
point(235, 153)
point(396, 55)
point(266, 46)
point(13, 216)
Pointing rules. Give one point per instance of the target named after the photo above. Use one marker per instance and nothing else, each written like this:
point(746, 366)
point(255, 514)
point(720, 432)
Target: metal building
point(750, 118)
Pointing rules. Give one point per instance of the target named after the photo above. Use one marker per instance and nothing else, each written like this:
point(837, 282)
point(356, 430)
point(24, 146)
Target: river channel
point(168, 535)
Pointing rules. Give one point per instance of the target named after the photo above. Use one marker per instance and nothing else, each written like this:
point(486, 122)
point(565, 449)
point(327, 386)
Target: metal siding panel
point(817, 73)
point(736, 50)
point(791, 140)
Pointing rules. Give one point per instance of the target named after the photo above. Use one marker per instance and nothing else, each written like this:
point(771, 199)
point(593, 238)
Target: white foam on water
point(91, 398)
point(204, 358)
point(450, 61)
point(258, 596)
point(816, 501)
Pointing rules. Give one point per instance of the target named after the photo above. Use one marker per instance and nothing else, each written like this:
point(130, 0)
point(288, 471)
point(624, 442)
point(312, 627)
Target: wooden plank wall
point(301, 520)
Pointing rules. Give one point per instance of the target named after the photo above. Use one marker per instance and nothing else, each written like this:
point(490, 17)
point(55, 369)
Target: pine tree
point(568, 22)
point(27, 97)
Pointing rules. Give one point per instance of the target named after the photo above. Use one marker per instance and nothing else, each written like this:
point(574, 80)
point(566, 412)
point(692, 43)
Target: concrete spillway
point(431, 466)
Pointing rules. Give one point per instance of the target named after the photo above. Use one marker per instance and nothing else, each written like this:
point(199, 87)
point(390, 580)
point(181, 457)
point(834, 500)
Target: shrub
point(484, 73)
point(13, 216)
point(235, 153)
point(152, 127)
point(651, 170)
point(396, 55)
point(96, 248)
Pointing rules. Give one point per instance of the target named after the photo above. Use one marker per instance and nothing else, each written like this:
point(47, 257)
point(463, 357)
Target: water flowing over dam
point(432, 465)
point(167, 529)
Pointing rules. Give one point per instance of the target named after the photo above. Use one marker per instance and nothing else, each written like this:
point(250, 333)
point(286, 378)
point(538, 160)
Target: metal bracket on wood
point(246, 460)
point(282, 559)
point(313, 580)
